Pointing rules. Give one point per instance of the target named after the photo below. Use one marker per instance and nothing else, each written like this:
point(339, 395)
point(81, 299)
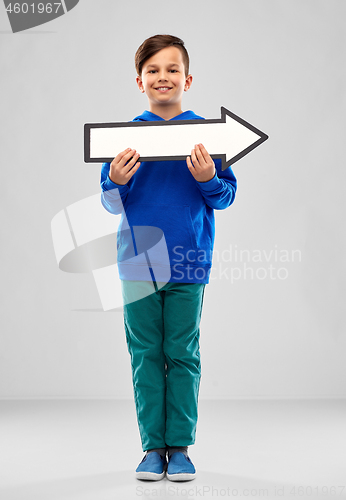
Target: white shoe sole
point(181, 477)
point(150, 476)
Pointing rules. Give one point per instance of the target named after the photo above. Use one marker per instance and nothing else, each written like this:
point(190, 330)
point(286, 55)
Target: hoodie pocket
point(175, 221)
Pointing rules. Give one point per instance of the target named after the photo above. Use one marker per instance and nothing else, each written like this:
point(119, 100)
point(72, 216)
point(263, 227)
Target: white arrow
point(229, 138)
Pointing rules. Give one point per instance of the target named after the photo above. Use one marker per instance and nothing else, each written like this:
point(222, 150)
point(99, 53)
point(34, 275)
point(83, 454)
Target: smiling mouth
point(163, 89)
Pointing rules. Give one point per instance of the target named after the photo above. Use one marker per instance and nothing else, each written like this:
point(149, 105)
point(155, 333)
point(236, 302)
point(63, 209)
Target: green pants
point(162, 334)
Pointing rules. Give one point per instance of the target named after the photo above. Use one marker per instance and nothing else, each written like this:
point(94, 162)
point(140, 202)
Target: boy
point(162, 328)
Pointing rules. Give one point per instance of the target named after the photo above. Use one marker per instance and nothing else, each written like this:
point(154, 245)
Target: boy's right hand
point(124, 166)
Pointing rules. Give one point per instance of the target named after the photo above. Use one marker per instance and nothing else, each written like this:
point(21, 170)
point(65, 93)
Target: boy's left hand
point(202, 166)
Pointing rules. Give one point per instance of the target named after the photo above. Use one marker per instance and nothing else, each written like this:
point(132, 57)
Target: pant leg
point(182, 313)
point(143, 320)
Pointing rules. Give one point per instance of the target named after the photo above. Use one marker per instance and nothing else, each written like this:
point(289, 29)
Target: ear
point(140, 84)
point(188, 83)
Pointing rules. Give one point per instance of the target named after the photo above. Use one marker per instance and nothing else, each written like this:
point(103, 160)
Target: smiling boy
point(162, 328)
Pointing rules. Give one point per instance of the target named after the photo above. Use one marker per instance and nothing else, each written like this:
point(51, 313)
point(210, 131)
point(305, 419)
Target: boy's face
point(163, 78)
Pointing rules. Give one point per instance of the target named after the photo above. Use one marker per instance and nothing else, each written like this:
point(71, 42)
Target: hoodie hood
point(148, 116)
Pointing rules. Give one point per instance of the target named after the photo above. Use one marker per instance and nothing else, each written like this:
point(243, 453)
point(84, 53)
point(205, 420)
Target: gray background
point(279, 65)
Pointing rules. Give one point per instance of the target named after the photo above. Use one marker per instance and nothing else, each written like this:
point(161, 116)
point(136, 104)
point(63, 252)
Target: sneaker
point(180, 468)
point(152, 467)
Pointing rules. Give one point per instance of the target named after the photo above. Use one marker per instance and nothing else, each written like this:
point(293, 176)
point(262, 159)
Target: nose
point(162, 76)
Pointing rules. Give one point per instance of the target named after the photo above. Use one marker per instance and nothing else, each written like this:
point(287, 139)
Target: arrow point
point(248, 136)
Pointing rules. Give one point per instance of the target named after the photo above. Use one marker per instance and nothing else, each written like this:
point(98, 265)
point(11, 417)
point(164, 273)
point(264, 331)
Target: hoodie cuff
point(209, 185)
point(109, 185)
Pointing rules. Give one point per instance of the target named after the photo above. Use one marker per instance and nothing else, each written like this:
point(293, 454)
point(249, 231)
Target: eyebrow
point(155, 65)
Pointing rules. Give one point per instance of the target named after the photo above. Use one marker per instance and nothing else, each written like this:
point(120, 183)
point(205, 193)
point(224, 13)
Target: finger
point(117, 159)
point(124, 152)
point(205, 154)
point(133, 170)
point(199, 155)
point(131, 162)
point(126, 157)
point(189, 164)
point(194, 159)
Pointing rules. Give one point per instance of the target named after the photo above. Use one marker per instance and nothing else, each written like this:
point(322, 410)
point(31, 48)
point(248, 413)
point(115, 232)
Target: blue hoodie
point(165, 196)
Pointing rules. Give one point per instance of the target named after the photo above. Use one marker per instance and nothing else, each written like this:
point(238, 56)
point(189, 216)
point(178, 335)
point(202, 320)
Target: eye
point(152, 71)
point(173, 71)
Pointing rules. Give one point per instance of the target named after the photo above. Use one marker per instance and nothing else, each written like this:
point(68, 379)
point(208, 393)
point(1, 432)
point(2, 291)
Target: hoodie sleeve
point(219, 192)
point(113, 195)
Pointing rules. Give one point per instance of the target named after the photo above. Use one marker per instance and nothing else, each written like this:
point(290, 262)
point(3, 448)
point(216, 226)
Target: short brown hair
point(154, 44)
